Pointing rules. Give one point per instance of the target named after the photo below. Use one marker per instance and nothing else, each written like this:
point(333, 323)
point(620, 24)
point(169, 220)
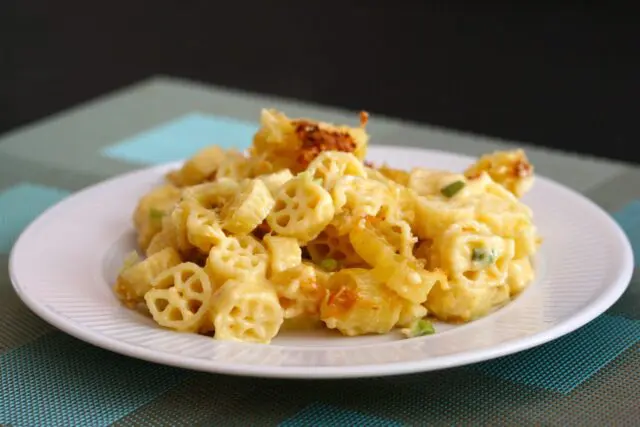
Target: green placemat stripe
point(567, 362)
point(629, 304)
point(18, 325)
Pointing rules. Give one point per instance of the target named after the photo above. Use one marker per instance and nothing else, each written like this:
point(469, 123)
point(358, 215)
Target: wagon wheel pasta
point(179, 297)
point(301, 231)
point(246, 311)
point(302, 209)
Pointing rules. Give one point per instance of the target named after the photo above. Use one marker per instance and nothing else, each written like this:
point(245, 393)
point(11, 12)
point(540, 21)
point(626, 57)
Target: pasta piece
point(305, 306)
point(434, 215)
point(403, 199)
point(407, 277)
point(276, 141)
point(428, 182)
point(276, 180)
point(403, 208)
point(458, 302)
point(398, 234)
point(246, 311)
point(468, 251)
point(199, 168)
point(410, 313)
point(511, 169)
point(369, 243)
point(234, 166)
point(298, 291)
point(135, 280)
point(284, 252)
point(360, 196)
point(343, 223)
point(248, 208)
point(179, 218)
point(302, 209)
point(203, 228)
point(166, 238)
point(520, 275)
point(261, 165)
point(331, 246)
point(358, 304)
point(212, 195)
point(161, 198)
point(329, 166)
point(526, 242)
point(322, 275)
point(180, 297)
point(396, 175)
point(241, 257)
point(374, 239)
point(276, 133)
point(376, 175)
point(508, 219)
point(151, 209)
point(482, 183)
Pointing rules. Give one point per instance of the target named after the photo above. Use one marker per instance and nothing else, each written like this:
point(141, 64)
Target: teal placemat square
point(181, 138)
point(21, 204)
point(57, 380)
point(319, 414)
point(629, 219)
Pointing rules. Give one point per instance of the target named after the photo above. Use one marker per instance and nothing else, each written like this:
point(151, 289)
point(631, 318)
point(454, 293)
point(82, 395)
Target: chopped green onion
point(451, 189)
point(483, 256)
point(156, 213)
point(329, 264)
point(419, 328)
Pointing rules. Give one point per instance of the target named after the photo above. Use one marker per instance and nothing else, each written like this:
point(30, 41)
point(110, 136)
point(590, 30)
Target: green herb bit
point(451, 189)
point(318, 181)
point(419, 328)
point(329, 264)
point(483, 256)
point(156, 213)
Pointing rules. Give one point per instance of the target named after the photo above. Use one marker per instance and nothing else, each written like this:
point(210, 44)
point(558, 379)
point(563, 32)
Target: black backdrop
point(565, 76)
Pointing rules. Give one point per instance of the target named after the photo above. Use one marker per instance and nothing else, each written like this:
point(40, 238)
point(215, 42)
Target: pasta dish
point(301, 232)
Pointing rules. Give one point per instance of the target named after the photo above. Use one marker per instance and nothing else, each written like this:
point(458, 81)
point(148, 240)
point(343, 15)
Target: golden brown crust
point(316, 140)
point(522, 169)
point(364, 118)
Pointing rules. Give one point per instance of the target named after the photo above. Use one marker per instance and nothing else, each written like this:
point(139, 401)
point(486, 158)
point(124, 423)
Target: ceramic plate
point(65, 262)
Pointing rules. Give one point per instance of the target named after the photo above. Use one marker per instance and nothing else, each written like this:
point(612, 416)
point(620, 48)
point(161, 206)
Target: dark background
point(565, 76)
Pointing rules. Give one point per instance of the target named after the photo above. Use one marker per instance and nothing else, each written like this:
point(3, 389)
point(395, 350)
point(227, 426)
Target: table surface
point(590, 377)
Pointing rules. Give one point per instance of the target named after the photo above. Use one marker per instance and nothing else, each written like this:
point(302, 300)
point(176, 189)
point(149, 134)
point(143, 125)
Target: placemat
point(589, 377)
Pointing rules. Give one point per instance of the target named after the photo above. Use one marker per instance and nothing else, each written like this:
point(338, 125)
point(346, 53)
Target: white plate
point(64, 263)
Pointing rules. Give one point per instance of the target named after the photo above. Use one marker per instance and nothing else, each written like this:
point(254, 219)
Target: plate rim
point(588, 313)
